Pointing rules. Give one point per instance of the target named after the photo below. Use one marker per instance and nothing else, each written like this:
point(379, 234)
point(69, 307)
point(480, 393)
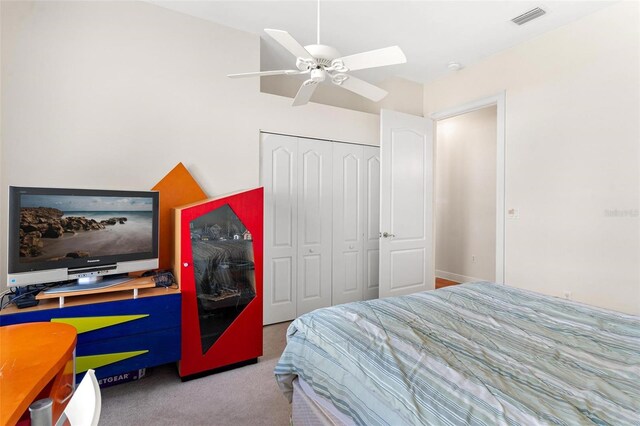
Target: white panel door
point(371, 164)
point(279, 179)
point(406, 204)
point(348, 223)
point(314, 224)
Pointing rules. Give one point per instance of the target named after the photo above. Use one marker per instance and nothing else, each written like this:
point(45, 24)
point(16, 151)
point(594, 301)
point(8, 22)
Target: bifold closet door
point(280, 180)
point(372, 221)
point(348, 223)
point(314, 225)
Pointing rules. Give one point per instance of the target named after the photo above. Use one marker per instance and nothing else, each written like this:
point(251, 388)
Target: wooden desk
point(32, 357)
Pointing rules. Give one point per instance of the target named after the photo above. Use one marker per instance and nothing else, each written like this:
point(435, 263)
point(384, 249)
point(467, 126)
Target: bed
point(472, 354)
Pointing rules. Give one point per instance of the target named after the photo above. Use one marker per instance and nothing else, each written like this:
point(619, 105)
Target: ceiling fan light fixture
point(318, 75)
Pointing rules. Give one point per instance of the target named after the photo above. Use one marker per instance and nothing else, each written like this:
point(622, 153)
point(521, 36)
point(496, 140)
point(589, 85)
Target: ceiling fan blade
point(264, 73)
point(362, 88)
point(289, 43)
point(374, 58)
point(304, 93)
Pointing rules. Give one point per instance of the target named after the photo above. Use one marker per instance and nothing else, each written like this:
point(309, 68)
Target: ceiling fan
point(320, 62)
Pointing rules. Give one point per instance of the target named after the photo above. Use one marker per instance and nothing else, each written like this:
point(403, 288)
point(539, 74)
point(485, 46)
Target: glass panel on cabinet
point(224, 271)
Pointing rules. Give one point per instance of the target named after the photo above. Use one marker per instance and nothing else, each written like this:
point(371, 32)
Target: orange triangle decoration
point(177, 188)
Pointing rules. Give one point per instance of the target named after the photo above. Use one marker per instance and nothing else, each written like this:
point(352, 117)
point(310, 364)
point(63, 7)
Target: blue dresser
point(117, 336)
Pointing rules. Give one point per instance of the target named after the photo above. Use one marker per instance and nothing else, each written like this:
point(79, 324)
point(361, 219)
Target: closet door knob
point(310, 250)
point(387, 235)
point(351, 247)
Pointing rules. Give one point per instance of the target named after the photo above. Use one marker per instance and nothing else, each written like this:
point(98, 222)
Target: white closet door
point(348, 223)
point(314, 224)
point(279, 179)
point(372, 221)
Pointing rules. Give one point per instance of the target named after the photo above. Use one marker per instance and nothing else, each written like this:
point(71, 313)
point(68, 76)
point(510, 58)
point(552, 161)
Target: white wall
point(114, 94)
point(572, 155)
point(465, 180)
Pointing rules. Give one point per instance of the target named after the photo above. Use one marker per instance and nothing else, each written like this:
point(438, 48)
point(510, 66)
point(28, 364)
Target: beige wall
point(572, 155)
point(114, 94)
point(465, 192)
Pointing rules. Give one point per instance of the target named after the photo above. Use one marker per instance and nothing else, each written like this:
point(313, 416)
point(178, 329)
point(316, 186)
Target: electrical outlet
point(567, 294)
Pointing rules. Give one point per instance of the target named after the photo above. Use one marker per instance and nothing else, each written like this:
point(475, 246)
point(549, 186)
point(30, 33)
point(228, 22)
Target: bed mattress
point(310, 409)
point(473, 354)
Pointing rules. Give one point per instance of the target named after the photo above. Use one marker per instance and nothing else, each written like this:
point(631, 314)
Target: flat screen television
point(58, 234)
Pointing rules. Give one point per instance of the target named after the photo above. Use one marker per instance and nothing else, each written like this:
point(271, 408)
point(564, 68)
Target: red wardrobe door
point(221, 252)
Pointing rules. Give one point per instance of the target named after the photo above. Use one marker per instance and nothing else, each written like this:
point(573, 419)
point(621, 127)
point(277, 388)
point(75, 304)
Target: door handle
point(387, 235)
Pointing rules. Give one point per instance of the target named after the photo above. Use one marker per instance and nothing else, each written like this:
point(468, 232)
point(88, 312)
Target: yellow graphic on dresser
point(83, 363)
point(85, 324)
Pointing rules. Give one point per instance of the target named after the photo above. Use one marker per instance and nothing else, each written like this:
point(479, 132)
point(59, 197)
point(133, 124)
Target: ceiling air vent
point(528, 16)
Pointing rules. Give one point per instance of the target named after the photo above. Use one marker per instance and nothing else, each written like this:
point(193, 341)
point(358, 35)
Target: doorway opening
point(469, 193)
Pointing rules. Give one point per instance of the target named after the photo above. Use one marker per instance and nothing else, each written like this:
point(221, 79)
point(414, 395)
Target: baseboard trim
point(455, 277)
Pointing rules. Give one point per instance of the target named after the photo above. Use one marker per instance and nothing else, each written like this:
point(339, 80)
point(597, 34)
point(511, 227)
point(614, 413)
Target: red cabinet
point(218, 263)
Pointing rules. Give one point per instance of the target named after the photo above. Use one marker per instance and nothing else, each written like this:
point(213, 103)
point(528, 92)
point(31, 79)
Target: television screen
point(58, 226)
point(54, 228)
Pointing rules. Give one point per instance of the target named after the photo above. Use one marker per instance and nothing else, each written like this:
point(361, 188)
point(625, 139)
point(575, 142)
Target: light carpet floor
point(245, 396)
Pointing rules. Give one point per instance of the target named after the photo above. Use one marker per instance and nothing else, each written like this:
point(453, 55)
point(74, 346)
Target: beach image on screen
point(59, 227)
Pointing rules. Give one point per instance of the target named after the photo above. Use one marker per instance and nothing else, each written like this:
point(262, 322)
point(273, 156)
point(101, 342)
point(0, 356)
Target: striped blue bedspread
point(473, 354)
